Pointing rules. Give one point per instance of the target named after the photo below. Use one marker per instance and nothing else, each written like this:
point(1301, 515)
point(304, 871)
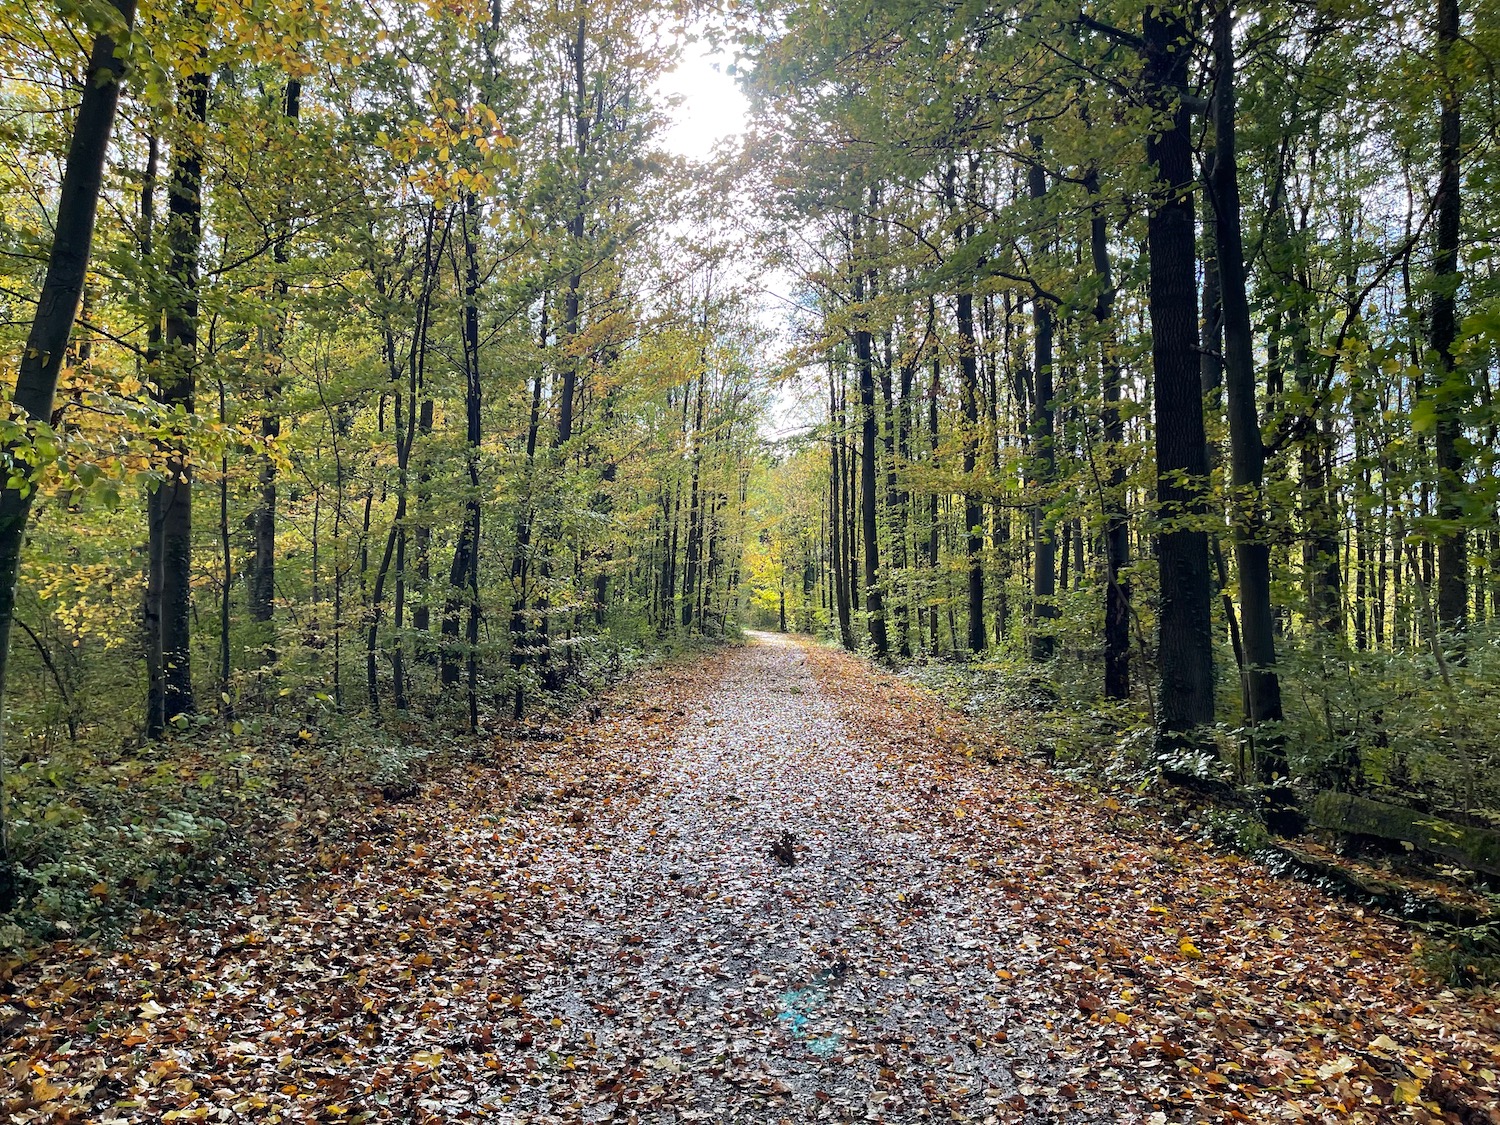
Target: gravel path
point(710, 981)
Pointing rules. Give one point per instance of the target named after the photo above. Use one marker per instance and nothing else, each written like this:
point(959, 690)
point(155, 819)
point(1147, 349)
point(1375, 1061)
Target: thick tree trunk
point(1185, 625)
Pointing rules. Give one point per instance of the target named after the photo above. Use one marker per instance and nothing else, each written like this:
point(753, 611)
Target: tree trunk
point(933, 505)
point(1044, 454)
point(968, 389)
point(1449, 390)
point(695, 511)
point(1185, 625)
point(260, 587)
point(520, 565)
point(1116, 519)
point(176, 381)
point(869, 532)
point(1247, 455)
point(840, 557)
point(463, 577)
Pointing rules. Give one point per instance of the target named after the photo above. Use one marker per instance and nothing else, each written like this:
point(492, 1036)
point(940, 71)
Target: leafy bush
point(1462, 956)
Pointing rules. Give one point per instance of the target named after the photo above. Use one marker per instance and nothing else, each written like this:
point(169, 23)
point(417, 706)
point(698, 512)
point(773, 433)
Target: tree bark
point(463, 576)
point(869, 529)
point(176, 381)
point(1185, 626)
point(1247, 455)
point(968, 389)
point(260, 587)
point(1044, 454)
point(694, 546)
point(1116, 518)
point(1449, 390)
point(840, 557)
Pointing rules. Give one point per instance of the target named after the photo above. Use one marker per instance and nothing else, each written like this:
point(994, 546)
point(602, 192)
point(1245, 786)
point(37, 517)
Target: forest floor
point(597, 928)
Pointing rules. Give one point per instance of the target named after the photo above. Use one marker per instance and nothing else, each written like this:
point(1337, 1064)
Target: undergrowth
point(1394, 725)
point(97, 835)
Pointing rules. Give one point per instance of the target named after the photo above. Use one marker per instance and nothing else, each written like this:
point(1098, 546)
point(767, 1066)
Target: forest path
point(711, 977)
point(590, 926)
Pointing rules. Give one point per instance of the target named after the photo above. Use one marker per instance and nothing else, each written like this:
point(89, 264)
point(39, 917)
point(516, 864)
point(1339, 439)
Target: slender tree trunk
point(1044, 454)
point(968, 388)
point(151, 607)
point(841, 573)
point(933, 506)
point(521, 562)
point(1247, 454)
point(898, 500)
point(421, 614)
point(260, 585)
point(1000, 506)
point(968, 394)
point(463, 577)
point(177, 384)
point(1450, 392)
point(695, 511)
point(869, 531)
point(1116, 518)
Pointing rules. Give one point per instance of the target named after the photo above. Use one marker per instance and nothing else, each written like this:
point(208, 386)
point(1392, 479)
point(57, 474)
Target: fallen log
point(1367, 887)
point(1473, 848)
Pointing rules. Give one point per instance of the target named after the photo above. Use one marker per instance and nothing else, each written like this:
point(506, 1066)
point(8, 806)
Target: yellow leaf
point(1338, 1067)
point(1189, 950)
point(45, 1091)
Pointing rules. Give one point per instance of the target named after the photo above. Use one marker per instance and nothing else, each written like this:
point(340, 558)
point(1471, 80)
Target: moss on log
point(1474, 848)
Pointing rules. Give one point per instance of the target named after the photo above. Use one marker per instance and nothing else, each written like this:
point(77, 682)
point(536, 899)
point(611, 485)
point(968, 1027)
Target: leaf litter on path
point(599, 929)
